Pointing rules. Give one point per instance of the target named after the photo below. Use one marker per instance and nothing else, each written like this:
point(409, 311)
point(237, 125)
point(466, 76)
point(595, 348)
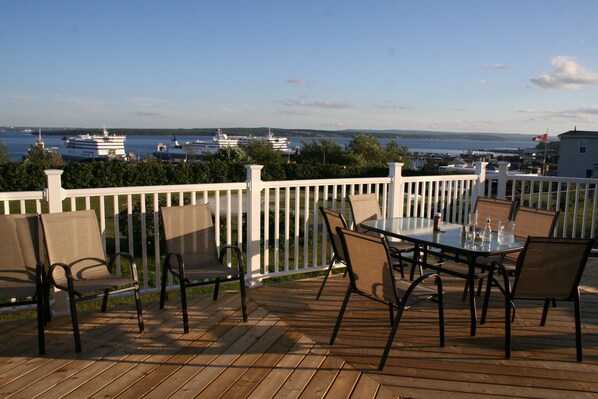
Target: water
point(142, 146)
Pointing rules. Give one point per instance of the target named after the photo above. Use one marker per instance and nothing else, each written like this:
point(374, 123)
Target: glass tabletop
point(421, 231)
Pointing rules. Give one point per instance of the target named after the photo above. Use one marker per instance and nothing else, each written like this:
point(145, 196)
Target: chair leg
point(545, 312)
point(139, 311)
point(105, 301)
point(163, 287)
point(216, 288)
point(392, 313)
point(243, 299)
point(507, 327)
point(340, 314)
point(184, 306)
point(391, 337)
point(328, 271)
point(487, 295)
point(41, 321)
point(440, 310)
point(578, 343)
point(75, 321)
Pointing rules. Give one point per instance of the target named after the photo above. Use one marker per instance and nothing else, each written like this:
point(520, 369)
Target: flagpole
point(545, 150)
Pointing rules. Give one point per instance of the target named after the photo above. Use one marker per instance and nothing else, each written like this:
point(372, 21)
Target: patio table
point(449, 239)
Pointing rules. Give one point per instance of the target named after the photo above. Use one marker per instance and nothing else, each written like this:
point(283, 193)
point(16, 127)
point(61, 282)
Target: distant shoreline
point(262, 131)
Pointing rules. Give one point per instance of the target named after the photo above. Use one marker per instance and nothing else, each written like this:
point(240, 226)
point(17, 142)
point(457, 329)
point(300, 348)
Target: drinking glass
point(506, 232)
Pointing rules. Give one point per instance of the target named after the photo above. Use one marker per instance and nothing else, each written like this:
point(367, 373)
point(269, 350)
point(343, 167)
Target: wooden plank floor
point(282, 350)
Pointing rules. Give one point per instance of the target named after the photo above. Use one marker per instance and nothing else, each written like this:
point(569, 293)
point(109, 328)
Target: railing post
point(254, 188)
point(503, 177)
point(478, 190)
point(396, 190)
point(54, 194)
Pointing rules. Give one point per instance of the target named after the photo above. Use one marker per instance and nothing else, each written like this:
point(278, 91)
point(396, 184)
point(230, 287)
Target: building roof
point(579, 134)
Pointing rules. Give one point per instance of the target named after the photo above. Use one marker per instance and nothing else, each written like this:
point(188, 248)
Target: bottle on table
point(487, 233)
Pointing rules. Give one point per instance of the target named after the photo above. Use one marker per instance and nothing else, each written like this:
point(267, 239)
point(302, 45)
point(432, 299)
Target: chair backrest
point(19, 255)
point(333, 220)
point(364, 207)
point(73, 238)
point(535, 222)
point(496, 209)
point(189, 231)
point(369, 265)
point(551, 267)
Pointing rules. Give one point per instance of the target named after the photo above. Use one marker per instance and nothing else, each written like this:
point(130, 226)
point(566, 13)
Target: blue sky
point(514, 66)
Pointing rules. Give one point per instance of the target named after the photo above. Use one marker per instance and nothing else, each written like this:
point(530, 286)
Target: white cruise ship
point(89, 147)
point(195, 149)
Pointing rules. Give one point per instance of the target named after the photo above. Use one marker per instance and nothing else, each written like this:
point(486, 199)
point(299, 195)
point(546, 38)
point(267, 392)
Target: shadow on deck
point(282, 350)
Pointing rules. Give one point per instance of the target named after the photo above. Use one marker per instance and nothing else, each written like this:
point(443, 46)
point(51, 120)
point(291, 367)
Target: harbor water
point(143, 146)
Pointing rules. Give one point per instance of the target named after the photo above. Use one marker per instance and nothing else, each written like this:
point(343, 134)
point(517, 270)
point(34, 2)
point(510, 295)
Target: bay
point(142, 146)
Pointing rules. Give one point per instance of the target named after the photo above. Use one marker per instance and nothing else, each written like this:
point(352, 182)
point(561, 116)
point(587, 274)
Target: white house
point(578, 154)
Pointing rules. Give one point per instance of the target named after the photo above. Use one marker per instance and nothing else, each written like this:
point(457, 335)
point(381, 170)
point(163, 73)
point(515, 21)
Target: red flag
point(542, 137)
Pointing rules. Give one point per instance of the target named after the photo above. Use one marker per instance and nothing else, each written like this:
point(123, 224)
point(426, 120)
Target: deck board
point(282, 351)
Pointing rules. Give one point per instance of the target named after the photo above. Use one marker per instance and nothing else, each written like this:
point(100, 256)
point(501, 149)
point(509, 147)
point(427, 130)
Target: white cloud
point(297, 82)
point(495, 66)
point(568, 74)
point(585, 114)
point(316, 104)
point(482, 81)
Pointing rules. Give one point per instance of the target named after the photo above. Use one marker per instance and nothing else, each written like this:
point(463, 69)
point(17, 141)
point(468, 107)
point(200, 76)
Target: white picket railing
point(277, 223)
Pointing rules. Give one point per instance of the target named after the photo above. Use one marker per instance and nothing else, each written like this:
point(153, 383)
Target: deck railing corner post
point(503, 177)
point(480, 184)
point(254, 188)
point(54, 194)
point(396, 190)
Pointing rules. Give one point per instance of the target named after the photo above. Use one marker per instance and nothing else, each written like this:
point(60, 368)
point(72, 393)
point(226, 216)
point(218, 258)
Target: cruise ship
point(190, 150)
point(90, 147)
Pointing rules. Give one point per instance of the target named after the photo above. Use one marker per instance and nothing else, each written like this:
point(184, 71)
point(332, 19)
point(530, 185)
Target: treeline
point(362, 157)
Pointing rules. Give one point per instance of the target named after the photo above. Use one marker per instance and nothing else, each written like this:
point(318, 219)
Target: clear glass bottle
point(487, 233)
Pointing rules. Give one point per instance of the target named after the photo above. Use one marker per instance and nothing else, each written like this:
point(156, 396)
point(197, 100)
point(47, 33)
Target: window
point(583, 146)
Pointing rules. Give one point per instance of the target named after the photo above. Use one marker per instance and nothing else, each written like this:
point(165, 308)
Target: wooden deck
point(282, 350)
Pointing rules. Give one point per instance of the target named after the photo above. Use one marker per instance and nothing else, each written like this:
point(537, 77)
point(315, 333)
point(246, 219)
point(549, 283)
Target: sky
point(510, 66)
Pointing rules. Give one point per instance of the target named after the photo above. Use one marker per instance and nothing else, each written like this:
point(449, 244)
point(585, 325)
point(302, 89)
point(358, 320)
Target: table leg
point(471, 284)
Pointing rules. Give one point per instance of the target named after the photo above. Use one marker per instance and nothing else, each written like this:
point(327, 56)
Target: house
point(578, 154)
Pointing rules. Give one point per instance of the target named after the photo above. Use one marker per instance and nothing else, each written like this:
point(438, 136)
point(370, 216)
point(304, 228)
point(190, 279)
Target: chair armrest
point(239, 254)
point(181, 269)
point(131, 260)
point(67, 273)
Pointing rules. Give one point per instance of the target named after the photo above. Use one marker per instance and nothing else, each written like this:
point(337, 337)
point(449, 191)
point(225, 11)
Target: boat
point(191, 150)
point(93, 147)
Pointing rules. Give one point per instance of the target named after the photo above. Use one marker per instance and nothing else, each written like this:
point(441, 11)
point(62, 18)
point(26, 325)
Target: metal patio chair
point(370, 274)
point(528, 222)
point(78, 263)
point(192, 255)
point(22, 272)
point(366, 207)
point(548, 269)
point(333, 220)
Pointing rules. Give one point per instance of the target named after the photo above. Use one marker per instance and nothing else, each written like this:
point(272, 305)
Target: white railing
point(277, 223)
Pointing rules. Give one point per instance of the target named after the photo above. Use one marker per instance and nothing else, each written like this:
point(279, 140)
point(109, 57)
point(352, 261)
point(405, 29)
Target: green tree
point(262, 153)
point(39, 155)
point(365, 149)
point(323, 151)
point(395, 152)
point(4, 154)
point(231, 154)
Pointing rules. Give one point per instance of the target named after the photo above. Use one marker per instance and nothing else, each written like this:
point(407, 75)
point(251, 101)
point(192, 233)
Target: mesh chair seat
point(75, 252)
point(211, 270)
point(22, 273)
point(192, 251)
point(372, 276)
point(98, 284)
point(548, 269)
